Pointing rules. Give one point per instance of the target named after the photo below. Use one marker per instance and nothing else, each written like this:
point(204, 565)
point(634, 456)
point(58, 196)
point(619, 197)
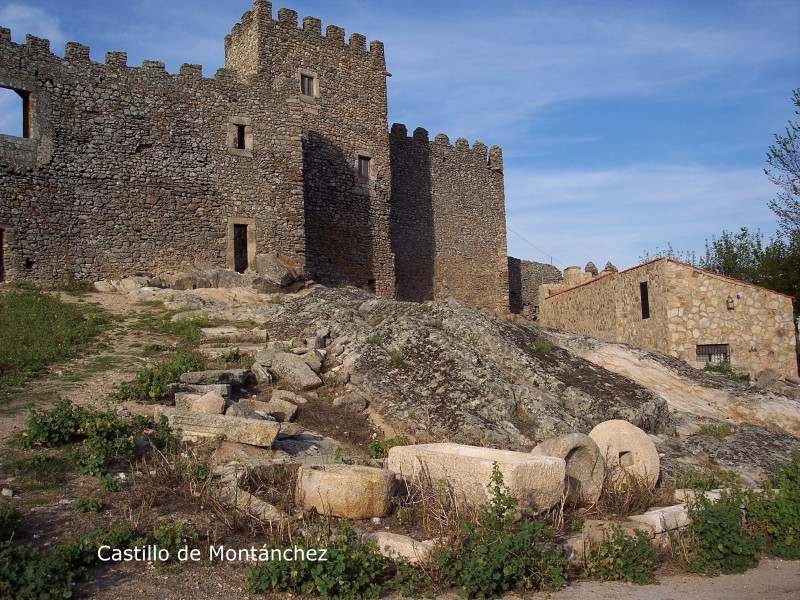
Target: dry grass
point(623, 494)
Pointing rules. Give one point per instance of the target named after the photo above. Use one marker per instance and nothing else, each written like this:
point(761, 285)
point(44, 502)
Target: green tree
point(784, 159)
point(738, 255)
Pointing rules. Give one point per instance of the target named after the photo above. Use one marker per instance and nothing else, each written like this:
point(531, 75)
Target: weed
point(341, 456)
point(720, 543)
point(622, 557)
point(172, 537)
point(376, 320)
point(9, 521)
point(623, 494)
point(717, 430)
point(88, 504)
point(42, 470)
point(708, 480)
point(777, 511)
point(396, 355)
point(727, 370)
point(351, 569)
point(542, 347)
point(498, 554)
point(436, 324)
point(276, 299)
point(375, 340)
point(153, 349)
point(71, 284)
point(380, 448)
point(152, 383)
point(109, 484)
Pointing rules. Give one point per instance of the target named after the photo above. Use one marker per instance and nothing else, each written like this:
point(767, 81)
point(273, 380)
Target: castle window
point(240, 136)
point(15, 106)
point(364, 168)
point(309, 85)
point(645, 297)
point(306, 85)
point(713, 353)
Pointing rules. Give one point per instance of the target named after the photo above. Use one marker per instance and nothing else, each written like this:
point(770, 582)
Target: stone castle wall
point(130, 169)
point(524, 279)
point(448, 226)
point(687, 308)
point(345, 116)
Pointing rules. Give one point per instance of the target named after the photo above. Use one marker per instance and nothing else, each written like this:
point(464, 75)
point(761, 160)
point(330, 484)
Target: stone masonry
point(124, 170)
point(680, 310)
point(524, 279)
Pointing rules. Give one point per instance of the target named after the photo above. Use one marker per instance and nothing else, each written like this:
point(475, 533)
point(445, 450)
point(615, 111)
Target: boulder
point(585, 465)
point(287, 396)
point(272, 270)
point(663, 519)
point(294, 371)
point(223, 389)
point(346, 491)
point(394, 546)
point(184, 400)
point(627, 450)
point(314, 359)
point(353, 401)
point(237, 409)
point(233, 429)
point(261, 373)
point(211, 404)
point(536, 481)
point(281, 410)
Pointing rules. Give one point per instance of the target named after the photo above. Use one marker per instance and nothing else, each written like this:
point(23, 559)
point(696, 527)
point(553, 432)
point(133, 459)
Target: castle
point(286, 151)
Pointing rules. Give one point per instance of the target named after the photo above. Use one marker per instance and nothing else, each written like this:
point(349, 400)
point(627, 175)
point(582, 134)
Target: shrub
point(725, 368)
point(152, 383)
point(380, 448)
point(396, 355)
point(172, 537)
point(719, 542)
point(622, 557)
point(497, 555)
point(778, 511)
point(88, 504)
point(54, 427)
point(9, 521)
point(352, 569)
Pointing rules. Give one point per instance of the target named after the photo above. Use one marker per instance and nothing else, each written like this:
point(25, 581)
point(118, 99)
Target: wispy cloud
point(618, 214)
point(24, 19)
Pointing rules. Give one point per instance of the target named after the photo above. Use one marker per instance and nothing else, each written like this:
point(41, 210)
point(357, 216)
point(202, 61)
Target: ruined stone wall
point(132, 169)
point(524, 279)
point(344, 116)
point(590, 308)
point(688, 307)
point(448, 220)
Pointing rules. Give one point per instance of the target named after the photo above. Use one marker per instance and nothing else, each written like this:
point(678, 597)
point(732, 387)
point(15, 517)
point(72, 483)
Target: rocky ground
point(443, 371)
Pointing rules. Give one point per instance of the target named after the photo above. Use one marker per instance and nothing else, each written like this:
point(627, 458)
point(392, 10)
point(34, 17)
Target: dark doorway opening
point(240, 248)
point(2, 255)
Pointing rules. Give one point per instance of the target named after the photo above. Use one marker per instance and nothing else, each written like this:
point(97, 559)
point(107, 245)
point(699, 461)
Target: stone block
point(536, 481)
point(585, 465)
point(211, 404)
point(287, 396)
point(261, 373)
point(223, 389)
point(228, 376)
point(234, 429)
point(394, 546)
point(184, 400)
point(353, 401)
point(627, 449)
point(346, 491)
point(294, 371)
point(665, 519)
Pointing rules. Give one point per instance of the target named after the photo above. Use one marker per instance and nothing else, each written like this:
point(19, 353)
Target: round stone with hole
point(628, 452)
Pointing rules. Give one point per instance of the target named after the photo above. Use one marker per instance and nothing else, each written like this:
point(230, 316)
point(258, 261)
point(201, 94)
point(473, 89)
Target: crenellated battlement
point(257, 29)
point(493, 157)
point(38, 49)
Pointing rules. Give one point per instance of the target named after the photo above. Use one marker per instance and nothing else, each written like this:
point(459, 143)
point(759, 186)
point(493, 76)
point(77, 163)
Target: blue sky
point(624, 125)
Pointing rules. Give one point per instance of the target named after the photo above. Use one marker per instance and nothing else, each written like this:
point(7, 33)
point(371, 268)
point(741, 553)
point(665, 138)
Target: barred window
point(713, 353)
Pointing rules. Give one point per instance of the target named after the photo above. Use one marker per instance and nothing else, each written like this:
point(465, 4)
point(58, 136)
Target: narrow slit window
point(645, 298)
point(713, 353)
point(240, 137)
point(15, 112)
point(364, 166)
point(306, 85)
point(2, 255)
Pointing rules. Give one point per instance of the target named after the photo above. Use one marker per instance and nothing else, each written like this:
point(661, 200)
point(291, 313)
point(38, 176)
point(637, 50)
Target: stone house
point(286, 151)
point(680, 310)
